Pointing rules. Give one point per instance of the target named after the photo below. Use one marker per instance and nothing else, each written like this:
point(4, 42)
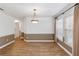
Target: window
point(59, 29)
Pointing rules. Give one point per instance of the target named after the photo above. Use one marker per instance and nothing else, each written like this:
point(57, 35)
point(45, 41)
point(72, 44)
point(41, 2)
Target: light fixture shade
point(34, 21)
point(16, 21)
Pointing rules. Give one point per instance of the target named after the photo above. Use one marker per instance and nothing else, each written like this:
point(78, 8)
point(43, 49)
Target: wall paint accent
point(7, 44)
point(6, 39)
point(39, 36)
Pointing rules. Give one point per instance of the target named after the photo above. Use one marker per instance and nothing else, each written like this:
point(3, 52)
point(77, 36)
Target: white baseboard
point(38, 40)
point(65, 49)
point(7, 44)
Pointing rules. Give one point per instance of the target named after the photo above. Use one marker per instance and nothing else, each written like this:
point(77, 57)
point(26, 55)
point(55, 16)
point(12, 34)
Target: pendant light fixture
point(34, 18)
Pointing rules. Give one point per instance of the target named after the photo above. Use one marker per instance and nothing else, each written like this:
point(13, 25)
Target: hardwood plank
point(21, 48)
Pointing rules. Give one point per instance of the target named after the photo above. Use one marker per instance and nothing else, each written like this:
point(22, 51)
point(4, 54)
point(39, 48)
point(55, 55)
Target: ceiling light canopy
point(34, 18)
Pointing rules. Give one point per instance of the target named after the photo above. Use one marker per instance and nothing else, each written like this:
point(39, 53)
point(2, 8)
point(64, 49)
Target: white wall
point(6, 25)
point(45, 26)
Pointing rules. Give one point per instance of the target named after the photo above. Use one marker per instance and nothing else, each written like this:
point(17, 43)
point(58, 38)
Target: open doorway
point(17, 28)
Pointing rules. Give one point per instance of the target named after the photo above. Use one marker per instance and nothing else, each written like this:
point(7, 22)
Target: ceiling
point(21, 10)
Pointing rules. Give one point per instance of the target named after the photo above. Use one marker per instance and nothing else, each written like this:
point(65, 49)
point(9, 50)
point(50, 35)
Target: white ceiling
point(21, 10)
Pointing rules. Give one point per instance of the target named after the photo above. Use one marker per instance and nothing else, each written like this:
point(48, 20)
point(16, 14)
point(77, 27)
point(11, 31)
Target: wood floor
point(21, 48)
